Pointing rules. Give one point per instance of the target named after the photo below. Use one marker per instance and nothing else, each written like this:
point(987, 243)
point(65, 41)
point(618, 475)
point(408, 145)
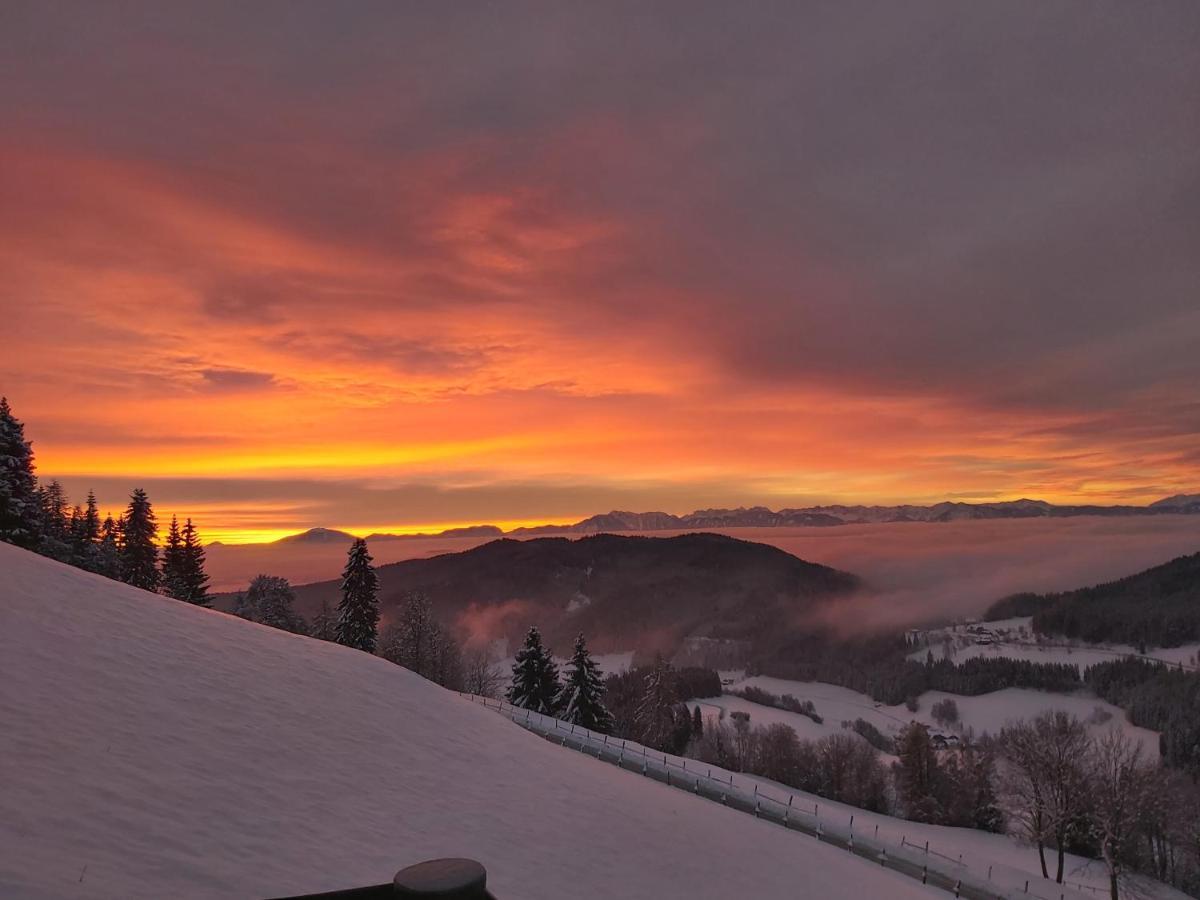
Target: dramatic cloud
point(777, 253)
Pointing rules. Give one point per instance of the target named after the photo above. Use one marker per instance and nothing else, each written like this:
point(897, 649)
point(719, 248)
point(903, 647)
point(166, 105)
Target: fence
point(916, 860)
point(446, 879)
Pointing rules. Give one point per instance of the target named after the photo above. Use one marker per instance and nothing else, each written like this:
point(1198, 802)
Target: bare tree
point(1042, 780)
point(1021, 785)
point(1122, 788)
point(1064, 746)
point(776, 753)
point(479, 672)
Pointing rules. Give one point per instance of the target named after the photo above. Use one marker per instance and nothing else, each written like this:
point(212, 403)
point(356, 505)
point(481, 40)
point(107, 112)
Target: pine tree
point(985, 809)
point(108, 558)
point(139, 550)
point(655, 717)
point(358, 611)
point(20, 512)
point(91, 519)
point(85, 536)
point(55, 539)
point(697, 723)
point(534, 677)
point(172, 563)
point(269, 601)
point(581, 700)
point(194, 578)
point(918, 776)
point(324, 625)
point(75, 529)
point(409, 640)
point(417, 642)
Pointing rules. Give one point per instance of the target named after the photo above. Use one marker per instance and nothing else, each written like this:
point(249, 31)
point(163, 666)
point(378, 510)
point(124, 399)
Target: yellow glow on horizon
point(344, 458)
point(235, 536)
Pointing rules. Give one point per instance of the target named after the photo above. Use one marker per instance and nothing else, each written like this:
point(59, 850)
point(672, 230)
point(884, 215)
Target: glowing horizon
point(437, 273)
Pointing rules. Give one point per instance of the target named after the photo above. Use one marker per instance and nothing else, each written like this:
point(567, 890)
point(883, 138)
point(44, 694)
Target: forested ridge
point(1159, 607)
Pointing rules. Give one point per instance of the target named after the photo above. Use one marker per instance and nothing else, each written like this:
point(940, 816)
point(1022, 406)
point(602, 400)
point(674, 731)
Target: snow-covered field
point(1015, 640)
point(1012, 861)
point(834, 704)
point(152, 749)
point(986, 712)
point(993, 865)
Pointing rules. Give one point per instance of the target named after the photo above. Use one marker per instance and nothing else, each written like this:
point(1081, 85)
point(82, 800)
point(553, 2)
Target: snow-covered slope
point(982, 713)
point(152, 749)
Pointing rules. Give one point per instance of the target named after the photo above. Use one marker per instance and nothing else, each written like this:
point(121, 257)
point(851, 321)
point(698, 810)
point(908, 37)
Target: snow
point(1015, 640)
point(834, 705)
point(154, 749)
point(986, 712)
point(989, 862)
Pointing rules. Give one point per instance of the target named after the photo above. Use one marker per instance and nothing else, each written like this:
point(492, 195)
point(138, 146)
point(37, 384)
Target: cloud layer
point(779, 254)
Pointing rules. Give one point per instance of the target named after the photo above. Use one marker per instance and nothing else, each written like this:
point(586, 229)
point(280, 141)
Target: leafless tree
point(776, 751)
point(479, 672)
point(1064, 742)
point(1123, 796)
point(1042, 781)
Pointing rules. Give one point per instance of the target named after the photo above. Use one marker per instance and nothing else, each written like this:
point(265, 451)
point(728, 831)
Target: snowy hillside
point(982, 713)
point(152, 749)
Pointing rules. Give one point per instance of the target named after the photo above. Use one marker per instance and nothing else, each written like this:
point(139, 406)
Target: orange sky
point(280, 296)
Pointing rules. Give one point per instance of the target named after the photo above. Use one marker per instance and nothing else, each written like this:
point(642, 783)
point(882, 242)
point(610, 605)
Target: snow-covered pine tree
point(86, 537)
point(172, 563)
point(409, 639)
point(358, 611)
point(108, 560)
point(918, 775)
point(91, 519)
point(139, 550)
point(324, 625)
point(55, 539)
point(418, 642)
point(195, 579)
point(655, 717)
point(269, 600)
point(19, 509)
point(581, 700)
point(534, 677)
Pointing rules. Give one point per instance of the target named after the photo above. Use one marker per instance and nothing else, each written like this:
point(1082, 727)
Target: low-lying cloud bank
point(916, 572)
point(919, 572)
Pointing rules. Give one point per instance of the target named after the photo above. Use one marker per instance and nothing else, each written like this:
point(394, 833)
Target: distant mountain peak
point(317, 536)
point(620, 520)
point(1178, 501)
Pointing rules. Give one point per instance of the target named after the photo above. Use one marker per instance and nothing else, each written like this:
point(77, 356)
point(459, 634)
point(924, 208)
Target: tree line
point(40, 517)
point(879, 667)
point(1157, 696)
point(1066, 791)
point(1159, 607)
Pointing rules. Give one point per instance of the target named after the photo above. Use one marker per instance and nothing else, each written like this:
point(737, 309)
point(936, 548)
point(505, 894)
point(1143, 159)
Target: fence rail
point(921, 862)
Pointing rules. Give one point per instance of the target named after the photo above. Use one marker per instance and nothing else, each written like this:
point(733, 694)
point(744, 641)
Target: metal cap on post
point(448, 879)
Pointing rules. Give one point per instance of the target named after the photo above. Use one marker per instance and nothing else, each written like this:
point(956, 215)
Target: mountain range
point(811, 516)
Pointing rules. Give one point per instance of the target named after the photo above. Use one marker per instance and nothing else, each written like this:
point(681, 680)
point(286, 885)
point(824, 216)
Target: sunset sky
point(405, 266)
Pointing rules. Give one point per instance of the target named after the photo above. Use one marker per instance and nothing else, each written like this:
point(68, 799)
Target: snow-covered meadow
point(983, 713)
point(152, 749)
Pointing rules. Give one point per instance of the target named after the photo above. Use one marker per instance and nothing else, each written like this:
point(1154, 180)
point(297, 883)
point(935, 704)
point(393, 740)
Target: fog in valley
point(915, 572)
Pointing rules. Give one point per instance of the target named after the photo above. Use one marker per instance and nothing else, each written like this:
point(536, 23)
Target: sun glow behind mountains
point(416, 278)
